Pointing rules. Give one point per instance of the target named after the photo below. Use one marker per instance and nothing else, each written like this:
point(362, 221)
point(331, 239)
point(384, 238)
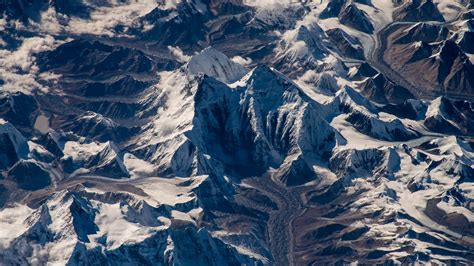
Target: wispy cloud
point(243, 61)
point(104, 18)
point(269, 3)
point(18, 69)
point(178, 53)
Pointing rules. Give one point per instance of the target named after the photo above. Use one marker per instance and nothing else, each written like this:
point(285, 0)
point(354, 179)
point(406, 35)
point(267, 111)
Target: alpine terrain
point(236, 132)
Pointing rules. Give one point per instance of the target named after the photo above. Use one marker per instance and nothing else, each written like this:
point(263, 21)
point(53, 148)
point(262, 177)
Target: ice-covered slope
point(236, 132)
point(241, 124)
point(83, 227)
point(215, 64)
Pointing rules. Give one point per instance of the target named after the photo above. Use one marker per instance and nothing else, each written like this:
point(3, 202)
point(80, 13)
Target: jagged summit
point(236, 132)
point(222, 120)
point(215, 64)
point(419, 10)
point(356, 18)
point(465, 39)
point(450, 116)
point(423, 31)
point(13, 144)
point(381, 90)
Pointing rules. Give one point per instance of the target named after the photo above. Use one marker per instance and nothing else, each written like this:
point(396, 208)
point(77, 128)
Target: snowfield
point(236, 132)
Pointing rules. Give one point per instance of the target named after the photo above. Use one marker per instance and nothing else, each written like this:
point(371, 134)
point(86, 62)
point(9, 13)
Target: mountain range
point(236, 132)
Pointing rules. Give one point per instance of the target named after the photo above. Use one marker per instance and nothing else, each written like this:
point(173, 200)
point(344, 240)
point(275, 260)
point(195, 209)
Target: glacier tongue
point(161, 151)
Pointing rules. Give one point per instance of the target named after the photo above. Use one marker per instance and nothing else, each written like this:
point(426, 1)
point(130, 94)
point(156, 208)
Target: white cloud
point(178, 53)
point(51, 22)
point(23, 57)
point(269, 3)
point(242, 61)
point(168, 4)
point(18, 69)
point(105, 16)
point(25, 83)
point(3, 24)
point(104, 19)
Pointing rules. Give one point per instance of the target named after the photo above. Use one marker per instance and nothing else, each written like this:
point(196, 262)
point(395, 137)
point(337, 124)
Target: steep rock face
point(448, 69)
point(356, 18)
point(81, 225)
point(465, 42)
point(301, 48)
point(214, 159)
point(100, 159)
point(295, 172)
point(332, 9)
point(411, 109)
point(260, 120)
point(348, 100)
point(7, 152)
point(447, 116)
point(381, 90)
point(362, 71)
point(13, 145)
point(363, 115)
point(29, 175)
point(188, 19)
point(348, 163)
point(53, 142)
point(97, 127)
point(19, 108)
point(451, 167)
point(349, 166)
point(455, 69)
point(95, 60)
point(270, 124)
point(108, 162)
point(65, 219)
point(265, 126)
point(348, 46)
point(418, 10)
point(422, 31)
point(393, 130)
point(421, 51)
point(449, 146)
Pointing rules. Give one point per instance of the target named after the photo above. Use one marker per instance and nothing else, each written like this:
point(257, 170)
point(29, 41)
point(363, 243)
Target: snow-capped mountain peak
point(215, 64)
point(236, 132)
